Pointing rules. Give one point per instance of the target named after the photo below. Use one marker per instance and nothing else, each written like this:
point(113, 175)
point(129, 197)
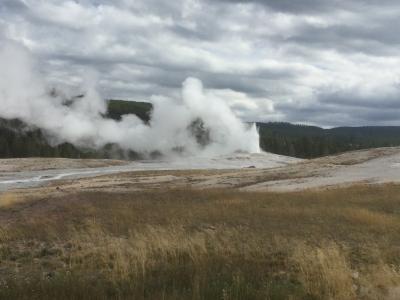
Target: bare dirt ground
point(359, 167)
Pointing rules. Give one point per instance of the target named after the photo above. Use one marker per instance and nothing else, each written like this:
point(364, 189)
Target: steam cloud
point(24, 95)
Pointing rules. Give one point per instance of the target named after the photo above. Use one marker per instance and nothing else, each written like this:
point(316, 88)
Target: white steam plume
point(24, 95)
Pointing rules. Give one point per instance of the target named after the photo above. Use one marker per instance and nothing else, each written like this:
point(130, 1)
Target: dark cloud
point(14, 6)
point(332, 113)
point(321, 62)
point(317, 6)
point(304, 6)
point(350, 99)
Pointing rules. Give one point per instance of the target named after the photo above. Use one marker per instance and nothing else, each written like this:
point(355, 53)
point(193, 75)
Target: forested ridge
point(118, 108)
point(311, 141)
point(19, 140)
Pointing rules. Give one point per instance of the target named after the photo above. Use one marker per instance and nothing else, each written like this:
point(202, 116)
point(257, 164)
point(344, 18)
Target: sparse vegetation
point(203, 244)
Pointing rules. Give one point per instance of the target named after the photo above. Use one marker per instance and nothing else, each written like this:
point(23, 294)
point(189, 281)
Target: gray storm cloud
point(286, 60)
point(24, 95)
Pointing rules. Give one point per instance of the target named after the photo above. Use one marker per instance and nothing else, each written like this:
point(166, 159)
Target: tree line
point(19, 140)
point(311, 141)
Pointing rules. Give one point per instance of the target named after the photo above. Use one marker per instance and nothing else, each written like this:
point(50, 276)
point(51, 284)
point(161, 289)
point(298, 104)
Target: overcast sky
point(329, 63)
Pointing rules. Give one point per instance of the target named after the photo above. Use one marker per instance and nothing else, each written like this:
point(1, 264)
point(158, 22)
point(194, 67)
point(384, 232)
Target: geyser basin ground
point(253, 172)
point(18, 173)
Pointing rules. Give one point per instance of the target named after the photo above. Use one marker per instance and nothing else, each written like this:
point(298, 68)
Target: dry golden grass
point(324, 271)
point(3, 235)
point(208, 244)
point(372, 218)
point(9, 199)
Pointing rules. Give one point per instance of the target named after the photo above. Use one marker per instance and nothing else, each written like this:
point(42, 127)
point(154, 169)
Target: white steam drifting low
point(24, 95)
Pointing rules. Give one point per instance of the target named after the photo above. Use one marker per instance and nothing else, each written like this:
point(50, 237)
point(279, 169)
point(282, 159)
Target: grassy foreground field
point(202, 244)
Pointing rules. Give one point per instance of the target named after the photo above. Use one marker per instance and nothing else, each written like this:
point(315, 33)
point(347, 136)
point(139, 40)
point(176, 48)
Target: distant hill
point(118, 108)
point(311, 141)
point(18, 140)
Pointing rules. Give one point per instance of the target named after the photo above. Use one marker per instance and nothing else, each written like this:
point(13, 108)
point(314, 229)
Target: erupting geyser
point(24, 95)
